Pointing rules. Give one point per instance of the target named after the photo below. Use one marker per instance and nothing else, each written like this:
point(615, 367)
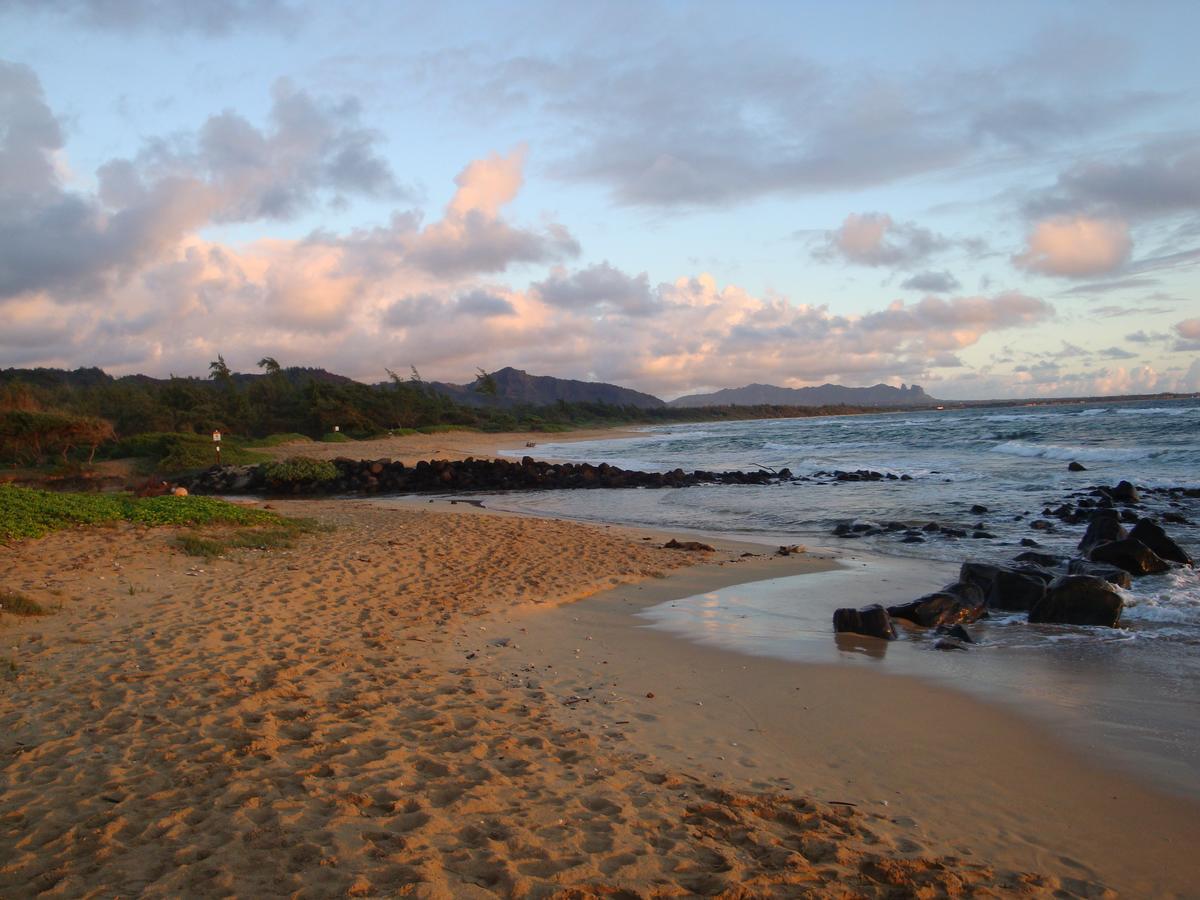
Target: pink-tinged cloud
point(488, 184)
point(874, 239)
point(1076, 247)
point(1189, 329)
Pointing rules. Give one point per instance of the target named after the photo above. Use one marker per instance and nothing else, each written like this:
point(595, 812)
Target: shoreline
point(324, 655)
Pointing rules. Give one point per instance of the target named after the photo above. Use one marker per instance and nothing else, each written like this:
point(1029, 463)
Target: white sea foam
point(1158, 411)
point(1090, 454)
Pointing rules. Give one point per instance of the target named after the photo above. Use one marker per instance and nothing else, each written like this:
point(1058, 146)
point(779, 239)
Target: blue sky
point(998, 200)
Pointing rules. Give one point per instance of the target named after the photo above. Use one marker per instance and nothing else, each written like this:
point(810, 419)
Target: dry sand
point(453, 445)
point(384, 710)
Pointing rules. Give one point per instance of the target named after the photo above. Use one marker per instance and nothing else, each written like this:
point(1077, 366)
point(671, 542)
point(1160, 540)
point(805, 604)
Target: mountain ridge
point(823, 395)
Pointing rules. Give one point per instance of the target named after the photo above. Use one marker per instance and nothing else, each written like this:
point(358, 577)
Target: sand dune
point(304, 722)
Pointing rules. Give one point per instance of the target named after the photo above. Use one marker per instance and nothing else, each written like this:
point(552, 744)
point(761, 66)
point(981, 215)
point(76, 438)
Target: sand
point(405, 706)
point(452, 445)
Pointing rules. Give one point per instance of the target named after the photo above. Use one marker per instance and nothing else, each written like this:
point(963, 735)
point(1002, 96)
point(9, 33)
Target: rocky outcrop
point(1152, 535)
point(1110, 573)
point(1104, 526)
point(1079, 600)
point(1131, 555)
point(446, 476)
point(1002, 587)
point(871, 621)
point(955, 603)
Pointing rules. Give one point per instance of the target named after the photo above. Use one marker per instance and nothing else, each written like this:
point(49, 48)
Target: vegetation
point(299, 469)
point(167, 423)
point(19, 605)
point(28, 513)
point(211, 544)
point(176, 452)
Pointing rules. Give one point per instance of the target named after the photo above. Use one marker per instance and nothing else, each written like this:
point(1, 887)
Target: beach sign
point(216, 437)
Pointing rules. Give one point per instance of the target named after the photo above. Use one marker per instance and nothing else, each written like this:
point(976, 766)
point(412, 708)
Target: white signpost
point(217, 444)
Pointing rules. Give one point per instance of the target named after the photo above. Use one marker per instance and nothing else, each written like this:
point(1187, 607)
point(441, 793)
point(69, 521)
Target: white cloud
point(1076, 247)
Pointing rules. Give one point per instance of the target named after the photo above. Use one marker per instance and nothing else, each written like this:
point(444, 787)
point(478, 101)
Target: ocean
point(1131, 693)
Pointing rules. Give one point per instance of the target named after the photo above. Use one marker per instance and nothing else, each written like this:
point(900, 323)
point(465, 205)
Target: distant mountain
point(825, 395)
point(514, 386)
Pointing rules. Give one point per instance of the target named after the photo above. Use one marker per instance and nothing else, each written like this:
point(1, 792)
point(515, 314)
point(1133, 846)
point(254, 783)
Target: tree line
point(47, 413)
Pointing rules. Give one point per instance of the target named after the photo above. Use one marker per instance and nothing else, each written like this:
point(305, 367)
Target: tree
point(486, 384)
point(268, 364)
point(219, 372)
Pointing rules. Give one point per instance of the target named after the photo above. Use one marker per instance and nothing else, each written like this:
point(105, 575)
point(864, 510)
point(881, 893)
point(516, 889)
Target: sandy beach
point(411, 704)
point(451, 445)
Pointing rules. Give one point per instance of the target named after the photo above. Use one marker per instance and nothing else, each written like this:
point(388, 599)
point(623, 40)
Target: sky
point(988, 200)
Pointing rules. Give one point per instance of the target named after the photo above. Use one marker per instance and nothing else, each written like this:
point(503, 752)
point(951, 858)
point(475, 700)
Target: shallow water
point(1130, 691)
point(1098, 688)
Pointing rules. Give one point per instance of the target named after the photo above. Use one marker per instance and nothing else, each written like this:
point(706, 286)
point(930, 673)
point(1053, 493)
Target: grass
point(19, 605)
point(274, 440)
point(211, 545)
point(336, 437)
point(30, 513)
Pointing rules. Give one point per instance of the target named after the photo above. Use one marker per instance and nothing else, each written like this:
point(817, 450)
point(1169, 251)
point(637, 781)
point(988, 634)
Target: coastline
point(331, 710)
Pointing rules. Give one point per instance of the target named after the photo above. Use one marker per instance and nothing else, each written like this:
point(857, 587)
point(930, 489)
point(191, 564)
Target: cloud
point(1189, 335)
point(599, 289)
point(484, 304)
point(1161, 178)
point(78, 244)
point(1188, 329)
point(932, 282)
point(1146, 337)
point(312, 149)
point(1076, 247)
point(1117, 353)
point(959, 322)
point(211, 17)
point(874, 239)
point(471, 238)
point(693, 121)
point(414, 310)
point(1104, 287)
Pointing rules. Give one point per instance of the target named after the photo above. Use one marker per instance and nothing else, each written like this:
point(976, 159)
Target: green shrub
point(299, 469)
point(336, 437)
point(168, 451)
point(28, 513)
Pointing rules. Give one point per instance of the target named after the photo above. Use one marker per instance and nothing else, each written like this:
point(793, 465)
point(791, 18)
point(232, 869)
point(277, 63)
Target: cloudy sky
point(990, 200)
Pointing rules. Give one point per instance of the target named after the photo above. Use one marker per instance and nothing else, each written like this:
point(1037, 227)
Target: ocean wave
point(1093, 412)
point(1013, 435)
point(1160, 411)
point(1083, 454)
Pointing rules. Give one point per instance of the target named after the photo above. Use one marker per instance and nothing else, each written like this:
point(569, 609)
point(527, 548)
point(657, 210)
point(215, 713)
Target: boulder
point(1049, 560)
point(872, 621)
point(1132, 556)
point(1152, 535)
point(954, 603)
point(1076, 467)
point(1079, 600)
point(1125, 492)
point(695, 546)
point(1004, 588)
point(1105, 526)
point(958, 632)
point(1109, 573)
